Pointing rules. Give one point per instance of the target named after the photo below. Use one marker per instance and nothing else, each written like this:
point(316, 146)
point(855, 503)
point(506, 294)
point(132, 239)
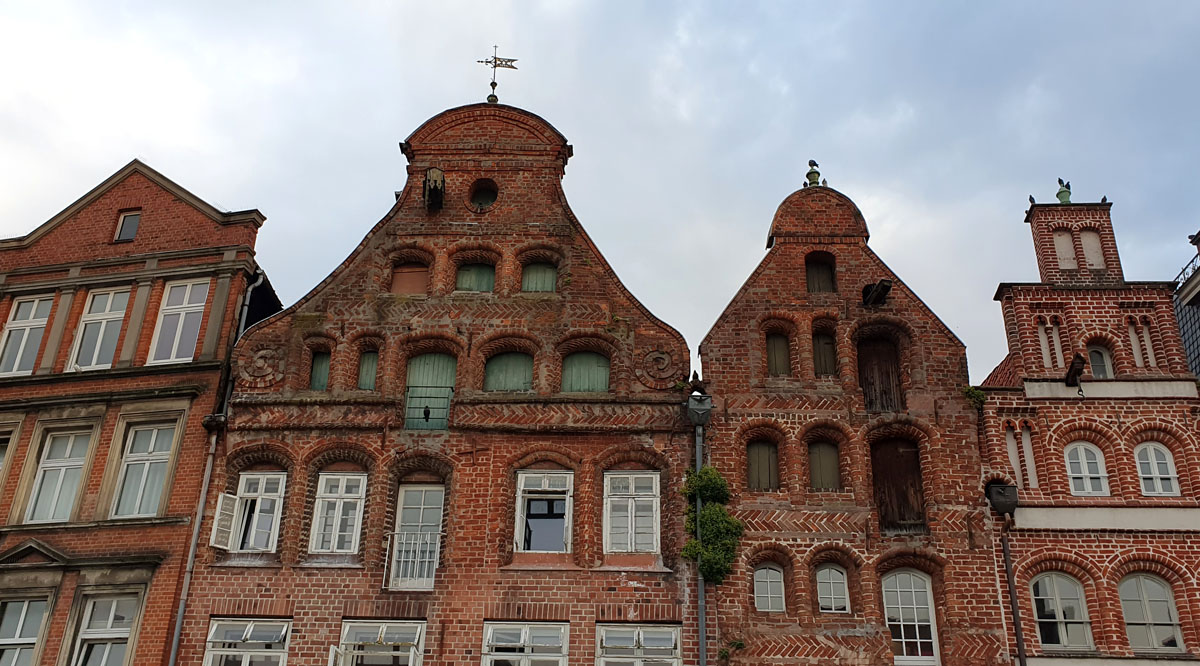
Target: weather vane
point(496, 62)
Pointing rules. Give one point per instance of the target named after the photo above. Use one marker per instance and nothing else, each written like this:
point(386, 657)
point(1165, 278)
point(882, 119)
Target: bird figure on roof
point(1104, 199)
point(813, 164)
point(1031, 199)
point(1066, 186)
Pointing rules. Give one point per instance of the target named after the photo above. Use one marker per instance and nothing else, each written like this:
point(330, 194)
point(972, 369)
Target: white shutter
point(223, 517)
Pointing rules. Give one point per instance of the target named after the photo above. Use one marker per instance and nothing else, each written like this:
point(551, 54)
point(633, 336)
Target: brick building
point(1092, 418)
point(841, 426)
point(466, 442)
point(119, 315)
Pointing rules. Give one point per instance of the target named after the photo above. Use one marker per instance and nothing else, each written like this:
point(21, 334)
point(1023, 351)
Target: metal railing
point(1188, 270)
point(427, 407)
point(412, 560)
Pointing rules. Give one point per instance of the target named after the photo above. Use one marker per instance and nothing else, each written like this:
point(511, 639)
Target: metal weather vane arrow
point(496, 62)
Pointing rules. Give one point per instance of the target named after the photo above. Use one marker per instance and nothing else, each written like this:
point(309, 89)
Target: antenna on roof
point(496, 62)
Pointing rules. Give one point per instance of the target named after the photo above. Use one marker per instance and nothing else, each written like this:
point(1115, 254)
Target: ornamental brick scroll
point(263, 370)
point(658, 369)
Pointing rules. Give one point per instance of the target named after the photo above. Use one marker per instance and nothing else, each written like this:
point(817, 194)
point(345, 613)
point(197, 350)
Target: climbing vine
point(974, 396)
point(719, 531)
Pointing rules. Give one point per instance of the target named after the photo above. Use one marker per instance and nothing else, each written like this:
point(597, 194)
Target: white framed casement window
point(414, 549)
point(1156, 469)
point(103, 636)
point(833, 596)
point(637, 645)
point(20, 628)
point(544, 501)
point(179, 320)
point(539, 644)
point(1060, 612)
point(99, 328)
point(127, 226)
point(393, 643)
point(908, 610)
point(23, 334)
point(337, 517)
point(631, 512)
point(249, 520)
point(768, 588)
point(58, 474)
point(144, 466)
point(1085, 469)
point(236, 642)
point(1148, 607)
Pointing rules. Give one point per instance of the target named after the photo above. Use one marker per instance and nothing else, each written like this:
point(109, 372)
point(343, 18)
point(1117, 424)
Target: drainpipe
point(1003, 499)
point(246, 305)
point(699, 411)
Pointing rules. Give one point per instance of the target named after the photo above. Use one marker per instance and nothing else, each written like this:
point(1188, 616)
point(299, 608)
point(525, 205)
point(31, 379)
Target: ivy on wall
point(715, 551)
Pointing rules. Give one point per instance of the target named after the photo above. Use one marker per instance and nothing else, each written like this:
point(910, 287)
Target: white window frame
point(521, 653)
point(1139, 579)
point(347, 653)
point(1059, 620)
point(544, 491)
point(637, 655)
point(412, 552)
point(339, 500)
point(833, 597)
point(104, 319)
point(230, 520)
point(17, 642)
point(1154, 476)
point(121, 224)
point(107, 635)
point(765, 600)
point(25, 325)
point(916, 660)
point(1081, 447)
point(63, 464)
point(128, 459)
point(244, 647)
point(1108, 362)
point(630, 499)
point(182, 311)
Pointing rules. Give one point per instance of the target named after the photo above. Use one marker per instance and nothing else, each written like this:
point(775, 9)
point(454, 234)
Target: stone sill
point(250, 561)
point(96, 524)
point(111, 373)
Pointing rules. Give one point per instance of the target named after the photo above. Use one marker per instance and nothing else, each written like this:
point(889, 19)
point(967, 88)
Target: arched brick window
point(762, 466)
point(410, 278)
point(1151, 622)
point(768, 588)
point(879, 374)
point(824, 471)
point(899, 496)
point(508, 371)
point(1061, 611)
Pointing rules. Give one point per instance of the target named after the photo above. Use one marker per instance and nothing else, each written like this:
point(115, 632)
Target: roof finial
point(496, 62)
point(814, 176)
point(1064, 191)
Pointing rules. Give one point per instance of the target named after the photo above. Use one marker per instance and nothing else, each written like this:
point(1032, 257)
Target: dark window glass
point(128, 226)
point(545, 524)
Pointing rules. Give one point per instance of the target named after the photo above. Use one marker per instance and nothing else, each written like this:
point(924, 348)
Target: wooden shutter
point(762, 466)
point(319, 375)
point(410, 279)
point(223, 517)
point(824, 354)
point(432, 370)
point(879, 375)
point(511, 371)
point(539, 277)
point(823, 472)
point(430, 386)
point(896, 468)
point(368, 364)
point(779, 357)
point(585, 371)
point(476, 277)
point(819, 275)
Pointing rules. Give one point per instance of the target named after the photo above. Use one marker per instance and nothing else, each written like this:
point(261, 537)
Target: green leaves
point(716, 549)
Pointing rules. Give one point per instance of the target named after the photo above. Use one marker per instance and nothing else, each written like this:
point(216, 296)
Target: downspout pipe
point(699, 411)
point(1003, 499)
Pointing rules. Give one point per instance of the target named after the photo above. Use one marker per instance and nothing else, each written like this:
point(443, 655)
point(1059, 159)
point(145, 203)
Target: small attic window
point(127, 226)
point(483, 194)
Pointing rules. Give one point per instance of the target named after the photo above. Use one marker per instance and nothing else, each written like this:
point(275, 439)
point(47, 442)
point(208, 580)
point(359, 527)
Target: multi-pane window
point(58, 474)
point(1085, 469)
point(544, 511)
point(415, 546)
point(510, 371)
point(104, 633)
point(762, 466)
point(585, 372)
point(337, 516)
point(1150, 618)
point(1101, 362)
point(99, 328)
point(1060, 611)
point(539, 277)
point(768, 588)
point(908, 608)
point(475, 277)
point(249, 520)
point(179, 322)
point(381, 644)
point(127, 226)
point(20, 624)
point(318, 374)
point(23, 334)
point(832, 594)
point(631, 512)
point(368, 367)
point(247, 643)
point(779, 355)
point(524, 644)
point(637, 645)
point(1156, 469)
point(144, 470)
point(823, 467)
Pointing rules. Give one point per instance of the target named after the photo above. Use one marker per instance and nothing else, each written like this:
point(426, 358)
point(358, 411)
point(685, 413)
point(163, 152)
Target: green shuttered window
point(318, 379)
point(429, 389)
point(510, 371)
point(823, 466)
point(779, 362)
point(368, 364)
point(585, 371)
point(762, 466)
point(539, 277)
point(476, 277)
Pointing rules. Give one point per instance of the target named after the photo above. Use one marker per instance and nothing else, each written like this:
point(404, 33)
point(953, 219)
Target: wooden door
point(879, 375)
point(899, 493)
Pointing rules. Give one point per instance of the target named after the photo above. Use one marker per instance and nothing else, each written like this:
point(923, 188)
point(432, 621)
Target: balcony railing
point(1188, 270)
point(412, 560)
point(427, 407)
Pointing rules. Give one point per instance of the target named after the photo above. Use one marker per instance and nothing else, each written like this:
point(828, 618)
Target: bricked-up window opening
point(235, 642)
point(179, 322)
point(1044, 342)
point(824, 472)
point(539, 277)
point(1100, 361)
point(524, 644)
point(544, 511)
point(429, 389)
point(23, 334)
point(585, 372)
point(1156, 469)
point(1061, 612)
point(144, 466)
point(636, 645)
point(415, 547)
point(818, 269)
point(99, 328)
point(1085, 469)
point(408, 279)
point(249, 520)
point(631, 512)
point(1148, 344)
point(768, 588)
point(762, 466)
point(475, 277)
point(779, 355)
point(1064, 250)
point(318, 376)
point(127, 227)
point(337, 514)
point(908, 609)
point(824, 355)
point(879, 375)
point(1093, 253)
point(1151, 622)
point(510, 371)
point(57, 482)
point(899, 497)
point(833, 595)
point(20, 627)
point(103, 636)
point(393, 643)
point(368, 368)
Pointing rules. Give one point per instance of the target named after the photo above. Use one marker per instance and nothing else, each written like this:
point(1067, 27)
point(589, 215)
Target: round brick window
point(483, 194)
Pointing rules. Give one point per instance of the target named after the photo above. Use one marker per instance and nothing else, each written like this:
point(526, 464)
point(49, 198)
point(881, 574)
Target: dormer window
point(127, 226)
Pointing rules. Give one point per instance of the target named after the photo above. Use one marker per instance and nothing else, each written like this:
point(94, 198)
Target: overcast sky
point(691, 122)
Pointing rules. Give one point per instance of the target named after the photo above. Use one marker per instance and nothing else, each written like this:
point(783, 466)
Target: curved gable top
point(497, 127)
point(817, 211)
